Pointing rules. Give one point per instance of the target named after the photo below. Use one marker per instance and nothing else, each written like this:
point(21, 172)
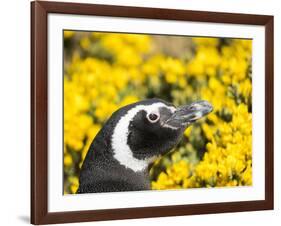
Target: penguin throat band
point(122, 152)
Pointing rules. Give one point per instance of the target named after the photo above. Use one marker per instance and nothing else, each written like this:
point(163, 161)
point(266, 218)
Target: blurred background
point(104, 71)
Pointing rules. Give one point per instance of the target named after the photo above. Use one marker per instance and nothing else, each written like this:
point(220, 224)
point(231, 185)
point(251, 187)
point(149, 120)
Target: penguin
point(132, 138)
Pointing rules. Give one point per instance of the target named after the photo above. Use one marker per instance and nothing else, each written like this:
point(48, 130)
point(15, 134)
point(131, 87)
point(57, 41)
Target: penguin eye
point(153, 117)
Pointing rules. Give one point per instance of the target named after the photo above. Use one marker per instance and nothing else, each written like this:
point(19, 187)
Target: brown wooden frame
point(39, 107)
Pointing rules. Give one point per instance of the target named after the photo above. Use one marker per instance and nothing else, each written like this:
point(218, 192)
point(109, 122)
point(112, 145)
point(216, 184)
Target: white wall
point(14, 118)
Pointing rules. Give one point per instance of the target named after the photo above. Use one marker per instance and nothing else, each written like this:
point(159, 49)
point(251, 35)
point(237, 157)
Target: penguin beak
point(187, 114)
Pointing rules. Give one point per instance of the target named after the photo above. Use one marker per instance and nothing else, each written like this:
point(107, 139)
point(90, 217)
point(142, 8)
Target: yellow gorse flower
point(227, 160)
point(105, 71)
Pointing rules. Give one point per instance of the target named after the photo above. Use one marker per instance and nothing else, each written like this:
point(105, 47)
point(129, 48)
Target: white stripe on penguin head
point(121, 150)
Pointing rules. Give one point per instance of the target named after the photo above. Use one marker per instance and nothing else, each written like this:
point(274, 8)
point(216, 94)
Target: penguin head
point(148, 129)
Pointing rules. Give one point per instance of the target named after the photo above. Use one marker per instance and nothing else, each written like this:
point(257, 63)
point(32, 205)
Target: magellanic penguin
point(132, 138)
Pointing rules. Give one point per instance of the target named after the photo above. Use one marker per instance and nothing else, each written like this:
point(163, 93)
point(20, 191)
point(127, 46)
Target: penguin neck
point(119, 141)
point(101, 167)
point(102, 150)
point(122, 151)
point(125, 158)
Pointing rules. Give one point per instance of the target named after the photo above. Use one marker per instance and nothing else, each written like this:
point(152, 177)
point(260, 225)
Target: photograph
point(155, 112)
point(168, 109)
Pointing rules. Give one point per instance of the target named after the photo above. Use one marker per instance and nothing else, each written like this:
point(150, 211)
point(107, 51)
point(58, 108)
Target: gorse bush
point(105, 71)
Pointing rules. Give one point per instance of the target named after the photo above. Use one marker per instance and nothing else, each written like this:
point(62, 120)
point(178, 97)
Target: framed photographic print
point(147, 112)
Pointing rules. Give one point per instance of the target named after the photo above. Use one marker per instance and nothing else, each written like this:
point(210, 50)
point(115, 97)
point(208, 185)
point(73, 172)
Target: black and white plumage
point(130, 140)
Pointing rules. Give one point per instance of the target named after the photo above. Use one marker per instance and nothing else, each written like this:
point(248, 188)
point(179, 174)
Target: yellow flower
point(129, 100)
point(74, 184)
point(85, 43)
point(171, 78)
point(68, 34)
point(67, 160)
point(228, 151)
point(188, 131)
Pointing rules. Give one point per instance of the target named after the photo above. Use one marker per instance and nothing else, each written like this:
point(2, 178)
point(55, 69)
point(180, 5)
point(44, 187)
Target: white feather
point(121, 149)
